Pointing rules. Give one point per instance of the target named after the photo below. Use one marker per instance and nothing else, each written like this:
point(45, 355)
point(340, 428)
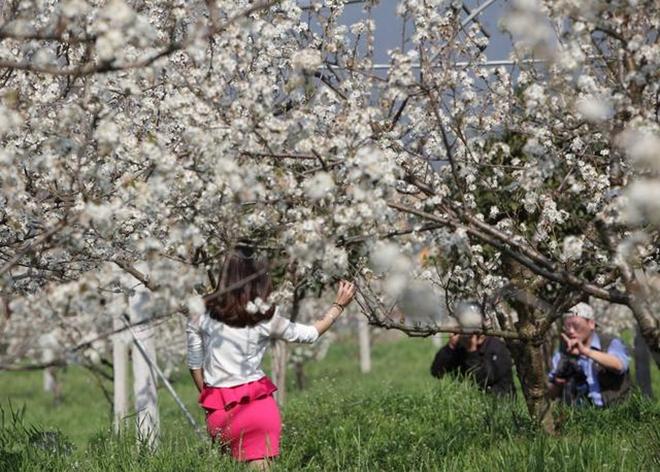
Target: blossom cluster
point(140, 141)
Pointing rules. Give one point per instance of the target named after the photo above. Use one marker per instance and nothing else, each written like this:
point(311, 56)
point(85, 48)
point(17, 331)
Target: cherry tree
point(159, 135)
point(142, 139)
point(547, 195)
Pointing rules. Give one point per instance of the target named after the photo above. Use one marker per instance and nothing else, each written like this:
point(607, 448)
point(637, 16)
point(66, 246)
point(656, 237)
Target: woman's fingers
point(351, 291)
point(345, 292)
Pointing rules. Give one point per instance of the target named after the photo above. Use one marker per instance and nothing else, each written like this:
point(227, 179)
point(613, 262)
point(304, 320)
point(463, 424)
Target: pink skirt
point(245, 418)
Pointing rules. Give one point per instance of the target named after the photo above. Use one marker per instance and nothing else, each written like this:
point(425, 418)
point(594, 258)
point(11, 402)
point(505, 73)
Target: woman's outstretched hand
point(345, 293)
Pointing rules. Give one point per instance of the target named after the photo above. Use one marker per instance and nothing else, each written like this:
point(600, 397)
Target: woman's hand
point(198, 378)
point(345, 293)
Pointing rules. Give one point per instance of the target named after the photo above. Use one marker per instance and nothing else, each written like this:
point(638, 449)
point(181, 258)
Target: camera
point(575, 390)
point(569, 369)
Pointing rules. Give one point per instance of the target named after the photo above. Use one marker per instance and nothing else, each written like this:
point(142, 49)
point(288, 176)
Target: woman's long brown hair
point(244, 277)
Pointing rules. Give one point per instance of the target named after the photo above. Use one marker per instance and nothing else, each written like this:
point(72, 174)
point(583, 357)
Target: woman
point(226, 346)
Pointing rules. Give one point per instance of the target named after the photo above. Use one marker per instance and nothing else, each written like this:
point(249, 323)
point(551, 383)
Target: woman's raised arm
point(344, 296)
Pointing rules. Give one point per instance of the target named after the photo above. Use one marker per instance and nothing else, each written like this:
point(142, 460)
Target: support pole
point(365, 344)
point(279, 361)
point(154, 366)
point(120, 377)
point(145, 381)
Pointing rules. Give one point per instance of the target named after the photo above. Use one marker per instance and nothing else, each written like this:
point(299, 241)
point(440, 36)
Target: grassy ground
point(395, 418)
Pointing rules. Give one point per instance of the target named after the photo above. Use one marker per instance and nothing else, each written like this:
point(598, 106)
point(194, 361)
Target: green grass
point(395, 418)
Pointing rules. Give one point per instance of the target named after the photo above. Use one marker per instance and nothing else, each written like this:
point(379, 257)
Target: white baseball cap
point(583, 310)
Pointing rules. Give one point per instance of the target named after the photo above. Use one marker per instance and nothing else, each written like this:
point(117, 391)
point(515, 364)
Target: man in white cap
point(588, 366)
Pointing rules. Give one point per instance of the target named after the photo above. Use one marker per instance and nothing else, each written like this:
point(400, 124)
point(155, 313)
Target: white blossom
point(572, 248)
point(306, 60)
point(594, 108)
point(257, 306)
point(163, 148)
point(319, 186)
point(642, 145)
point(469, 315)
point(643, 203)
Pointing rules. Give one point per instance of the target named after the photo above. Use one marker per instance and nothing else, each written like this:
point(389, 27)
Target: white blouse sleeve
point(282, 328)
point(195, 343)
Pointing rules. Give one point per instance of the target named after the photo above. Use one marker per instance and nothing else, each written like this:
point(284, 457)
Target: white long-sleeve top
point(232, 356)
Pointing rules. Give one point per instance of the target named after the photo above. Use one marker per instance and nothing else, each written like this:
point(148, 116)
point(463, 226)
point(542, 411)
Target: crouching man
point(588, 367)
point(484, 359)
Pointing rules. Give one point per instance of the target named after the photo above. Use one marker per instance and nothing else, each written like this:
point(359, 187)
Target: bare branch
point(380, 317)
point(44, 237)
point(142, 278)
point(556, 275)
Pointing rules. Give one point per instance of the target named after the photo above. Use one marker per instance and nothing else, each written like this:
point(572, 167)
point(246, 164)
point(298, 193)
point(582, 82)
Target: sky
point(389, 25)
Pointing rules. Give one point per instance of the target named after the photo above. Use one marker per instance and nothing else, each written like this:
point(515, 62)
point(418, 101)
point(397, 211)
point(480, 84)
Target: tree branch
point(90, 68)
point(560, 276)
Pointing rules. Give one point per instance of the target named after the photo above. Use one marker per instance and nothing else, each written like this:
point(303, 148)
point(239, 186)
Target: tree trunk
point(639, 296)
point(279, 349)
point(647, 327)
point(49, 380)
point(279, 360)
point(529, 359)
point(643, 365)
point(552, 337)
point(51, 384)
point(299, 369)
point(530, 367)
point(120, 377)
point(365, 345)
point(144, 377)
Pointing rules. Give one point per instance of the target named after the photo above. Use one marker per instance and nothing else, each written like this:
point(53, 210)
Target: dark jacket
point(489, 366)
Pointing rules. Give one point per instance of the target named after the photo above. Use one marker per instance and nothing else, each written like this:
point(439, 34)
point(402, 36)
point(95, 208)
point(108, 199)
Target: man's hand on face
point(472, 343)
point(454, 340)
point(575, 346)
